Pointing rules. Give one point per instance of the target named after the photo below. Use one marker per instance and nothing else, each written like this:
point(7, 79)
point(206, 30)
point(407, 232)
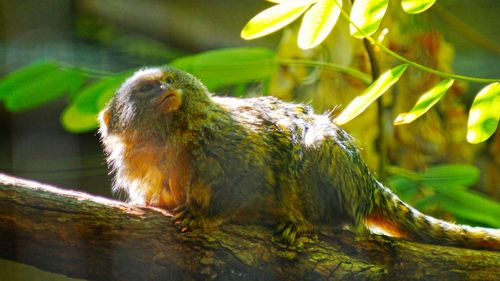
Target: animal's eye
point(169, 80)
point(146, 87)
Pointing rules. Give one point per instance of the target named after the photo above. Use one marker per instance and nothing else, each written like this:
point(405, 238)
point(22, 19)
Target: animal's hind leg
point(287, 231)
point(292, 221)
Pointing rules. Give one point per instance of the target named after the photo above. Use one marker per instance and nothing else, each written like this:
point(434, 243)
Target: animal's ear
point(104, 118)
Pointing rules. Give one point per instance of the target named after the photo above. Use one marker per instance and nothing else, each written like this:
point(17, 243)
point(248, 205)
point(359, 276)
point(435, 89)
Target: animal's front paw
point(184, 219)
point(287, 232)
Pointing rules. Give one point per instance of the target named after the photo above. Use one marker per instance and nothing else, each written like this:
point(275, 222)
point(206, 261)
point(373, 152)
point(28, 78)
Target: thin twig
point(380, 141)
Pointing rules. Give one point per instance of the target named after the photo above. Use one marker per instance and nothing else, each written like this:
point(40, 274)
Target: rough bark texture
point(95, 238)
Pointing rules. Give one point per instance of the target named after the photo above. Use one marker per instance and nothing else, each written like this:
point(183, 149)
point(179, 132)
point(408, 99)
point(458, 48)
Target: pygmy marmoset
point(209, 159)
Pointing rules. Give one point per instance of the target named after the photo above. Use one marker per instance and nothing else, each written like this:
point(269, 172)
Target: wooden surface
point(90, 237)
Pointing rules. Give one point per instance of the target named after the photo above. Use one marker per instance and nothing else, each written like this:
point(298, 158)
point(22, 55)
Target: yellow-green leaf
point(318, 22)
point(484, 114)
point(366, 15)
point(416, 6)
point(376, 89)
point(291, 1)
point(274, 18)
point(425, 102)
point(76, 121)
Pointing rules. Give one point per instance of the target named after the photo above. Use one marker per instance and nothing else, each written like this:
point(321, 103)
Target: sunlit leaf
point(416, 6)
point(425, 102)
point(46, 87)
point(318, 22)
point(470, 205)
point(25, 75)
point(367, 16)
point(76, 121)
point(274, 18)
point(450, 176)
point(225, 67)
point(291, 1)
point(484, 114)
point(376, 89)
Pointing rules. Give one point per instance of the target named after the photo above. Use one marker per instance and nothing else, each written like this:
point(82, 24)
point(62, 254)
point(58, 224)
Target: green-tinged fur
point(258, 161)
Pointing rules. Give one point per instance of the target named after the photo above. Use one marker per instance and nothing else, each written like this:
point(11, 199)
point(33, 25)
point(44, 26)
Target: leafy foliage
point(224, 67)
point(365, 17)
point(77, 121)
point(219, 68)
point(80, 116)
point(484, 114)
point(448, 185)
point(425, 102)
point(416, 6)
point(93, 97)
point(44, 81)
point(12, 81)
point(274, 18)
point(320, 16)
point(38, 84)
point(376, 89)
point(318, 22)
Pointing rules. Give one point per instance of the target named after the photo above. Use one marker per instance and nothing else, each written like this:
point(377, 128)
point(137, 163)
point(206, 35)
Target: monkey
point(211, 160)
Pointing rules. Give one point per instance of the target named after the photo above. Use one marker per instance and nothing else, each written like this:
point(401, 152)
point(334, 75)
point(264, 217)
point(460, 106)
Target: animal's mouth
point(168, 101)
point(161, 100)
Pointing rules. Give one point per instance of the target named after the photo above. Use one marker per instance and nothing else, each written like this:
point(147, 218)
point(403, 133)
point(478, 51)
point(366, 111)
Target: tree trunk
point(90, 237)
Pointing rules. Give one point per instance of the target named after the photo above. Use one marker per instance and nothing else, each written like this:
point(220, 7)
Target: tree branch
point(95, 238)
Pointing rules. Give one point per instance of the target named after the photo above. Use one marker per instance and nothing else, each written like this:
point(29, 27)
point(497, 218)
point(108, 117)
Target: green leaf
point(450, 176)
point(470, 205)
point(89, 100)
point(484, 114)
point(374, 91)
point(26, 75)
point(404, 187)
point(318, 22)
point(416, 6)
point(223, 67)
point(366, 16)
point(274, 18)
point(76, 121)
point(426, 202)
point(46, 87)
point(425, 102)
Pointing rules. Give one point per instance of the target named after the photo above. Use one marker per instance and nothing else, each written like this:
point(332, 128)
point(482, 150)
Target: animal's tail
point(396, 218)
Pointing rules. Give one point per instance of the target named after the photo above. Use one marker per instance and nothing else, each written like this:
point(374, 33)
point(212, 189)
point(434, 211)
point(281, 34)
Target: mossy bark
point(90, 237)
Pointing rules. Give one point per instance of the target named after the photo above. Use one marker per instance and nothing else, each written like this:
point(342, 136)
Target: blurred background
point(108, 35)
point(112, 35)
point(118, 35)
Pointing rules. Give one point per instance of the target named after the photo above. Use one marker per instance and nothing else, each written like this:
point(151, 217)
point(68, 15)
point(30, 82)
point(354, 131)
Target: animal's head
point(152, 96)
